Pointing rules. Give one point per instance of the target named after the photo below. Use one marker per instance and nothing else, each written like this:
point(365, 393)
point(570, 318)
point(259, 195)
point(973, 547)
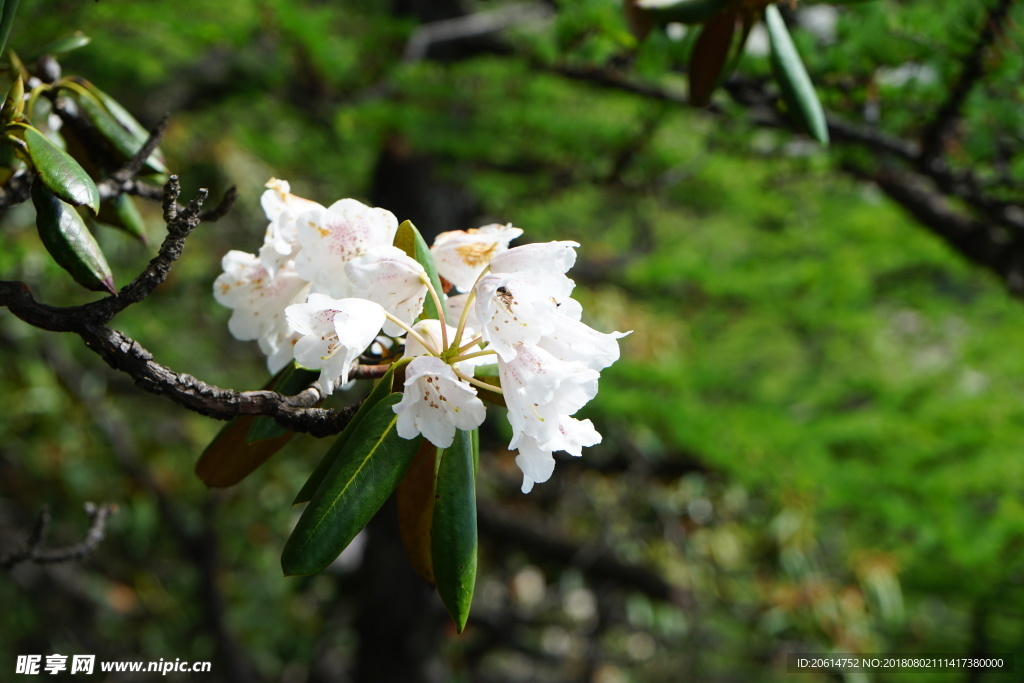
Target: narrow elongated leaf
point(292, 380)
point(382, 389)
point(454, 543)
point(62, 45)
point(72, 246)
point(125, 139)
point(709, 56)
point(10, 8)
point(123, 214)
point(409, 240)
point(14, 104)
point(683, 11)
point(64, 176)
point(796, 86)
point(415, 501)
point(352, 492)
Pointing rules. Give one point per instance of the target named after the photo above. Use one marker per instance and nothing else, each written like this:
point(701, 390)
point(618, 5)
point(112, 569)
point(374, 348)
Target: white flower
point(540, 390)
point(572, 340)
point(282, 208)
point(390, 277)
point(537, 462)
point(436, 403)
point(329, 238)
point(333, 334)
point(258, 300)
point(518, 309)
point(547, 257)
point(461, 255)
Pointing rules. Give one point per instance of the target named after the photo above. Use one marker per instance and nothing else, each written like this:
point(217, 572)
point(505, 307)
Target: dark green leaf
point(72, 246)
point(121, 213)
point(709, 56)
point(454, 542)
point(127, 138)
point(409, 240)
point(9, 9)
point(382, 389)
point(355, 487)
point(59, 171)
point(797, 89)
point(293, 380)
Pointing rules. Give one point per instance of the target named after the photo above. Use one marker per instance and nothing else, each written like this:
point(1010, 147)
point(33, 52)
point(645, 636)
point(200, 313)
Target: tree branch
point(935, 133)
point(32, 552)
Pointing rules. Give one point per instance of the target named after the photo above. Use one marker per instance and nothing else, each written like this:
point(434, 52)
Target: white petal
point(333, 334)
point(282, 209)
point(388, 276)
point(257, 298)
point(554, 257)
point(436, 403)
point(571, 340)
point(331, 237)
point(536, 464)
point(513, 310)
point(461, 255)
point(540, 390)
point(573, 435)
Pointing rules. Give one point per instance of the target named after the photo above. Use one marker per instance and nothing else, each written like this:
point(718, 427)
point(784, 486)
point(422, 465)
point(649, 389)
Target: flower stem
point(460, 358)
point(465, 308)
point(440, 309)
point(468, 345)
point(476, 382)
point(414, 334)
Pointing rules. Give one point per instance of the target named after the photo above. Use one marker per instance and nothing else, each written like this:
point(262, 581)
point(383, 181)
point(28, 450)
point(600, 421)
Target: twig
point(32, 552)
point(946, 116)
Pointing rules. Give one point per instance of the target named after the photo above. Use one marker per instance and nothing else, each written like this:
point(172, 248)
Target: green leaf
point(683, 11)
point(64, 176)
point(382, 389)
point(72, 246)
point(409, 240)
point(454, 538)
point(9, 9)
point(62, 45)
point(415, 502)
point(114, 123)
point(357, 485)
point(292, 380)
point(709, 56)
point(797, 89)
point(14, 103)
point(123, 214)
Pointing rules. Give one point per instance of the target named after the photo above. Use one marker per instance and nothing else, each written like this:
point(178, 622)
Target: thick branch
point(985, 244)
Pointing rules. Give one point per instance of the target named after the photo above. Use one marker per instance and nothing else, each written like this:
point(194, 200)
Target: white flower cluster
point(328, 281)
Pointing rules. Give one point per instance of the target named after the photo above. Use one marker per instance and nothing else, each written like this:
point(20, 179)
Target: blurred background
point(812, 442)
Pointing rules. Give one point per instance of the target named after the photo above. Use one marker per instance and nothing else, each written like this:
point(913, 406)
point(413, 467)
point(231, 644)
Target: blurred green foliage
point(850, 389)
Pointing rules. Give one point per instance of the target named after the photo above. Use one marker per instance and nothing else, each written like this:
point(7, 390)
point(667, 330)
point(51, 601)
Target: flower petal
point(436, 403)
point(461, 255)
